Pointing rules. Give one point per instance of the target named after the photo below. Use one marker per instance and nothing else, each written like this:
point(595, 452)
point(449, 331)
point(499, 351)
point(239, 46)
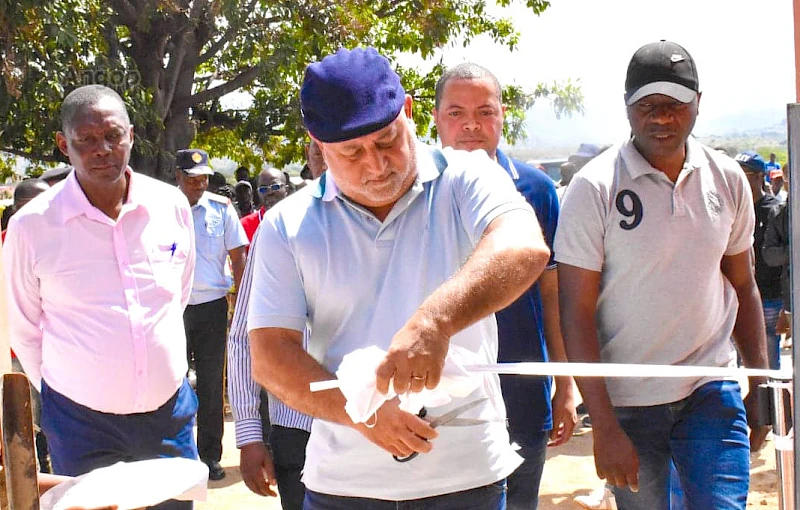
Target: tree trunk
point(170, 86)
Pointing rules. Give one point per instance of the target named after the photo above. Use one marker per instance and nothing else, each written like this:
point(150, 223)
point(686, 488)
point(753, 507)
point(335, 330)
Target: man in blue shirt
point(218, 234)
point(469, 116)
point(771, 165)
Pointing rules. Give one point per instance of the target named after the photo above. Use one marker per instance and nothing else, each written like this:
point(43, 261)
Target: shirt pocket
point(211, 239)
point(167, 262)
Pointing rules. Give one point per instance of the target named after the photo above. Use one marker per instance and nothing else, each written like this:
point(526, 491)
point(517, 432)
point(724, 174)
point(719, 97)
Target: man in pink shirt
point(98, 272)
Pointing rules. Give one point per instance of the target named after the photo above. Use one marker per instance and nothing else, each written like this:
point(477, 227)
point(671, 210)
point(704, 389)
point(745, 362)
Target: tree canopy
point(173, 61)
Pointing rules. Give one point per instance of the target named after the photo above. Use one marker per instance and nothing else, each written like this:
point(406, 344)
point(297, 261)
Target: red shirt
point(251, 223)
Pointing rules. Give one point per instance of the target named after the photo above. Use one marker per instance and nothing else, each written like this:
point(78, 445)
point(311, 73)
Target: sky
point(744, 52)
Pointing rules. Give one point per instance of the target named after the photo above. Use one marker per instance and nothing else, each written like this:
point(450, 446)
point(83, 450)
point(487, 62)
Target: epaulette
point(218, 198)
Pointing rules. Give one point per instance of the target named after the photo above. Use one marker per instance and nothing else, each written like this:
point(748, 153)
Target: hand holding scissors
point(450, 418)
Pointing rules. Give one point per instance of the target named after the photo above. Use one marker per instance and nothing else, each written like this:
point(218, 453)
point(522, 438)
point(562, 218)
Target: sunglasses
point(271, 187)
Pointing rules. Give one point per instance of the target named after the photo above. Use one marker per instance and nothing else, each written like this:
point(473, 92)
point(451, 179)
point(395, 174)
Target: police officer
point(218, 235)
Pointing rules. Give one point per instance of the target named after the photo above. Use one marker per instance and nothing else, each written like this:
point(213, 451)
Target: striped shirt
point(245, 393)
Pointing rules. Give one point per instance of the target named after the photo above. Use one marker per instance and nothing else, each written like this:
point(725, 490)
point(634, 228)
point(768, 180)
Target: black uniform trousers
point(206, 329)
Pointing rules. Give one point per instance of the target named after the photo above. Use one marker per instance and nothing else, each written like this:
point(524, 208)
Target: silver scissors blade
point(455, 412)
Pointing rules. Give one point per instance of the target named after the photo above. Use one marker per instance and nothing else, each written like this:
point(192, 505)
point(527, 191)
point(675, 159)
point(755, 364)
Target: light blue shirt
point(328, 262)
point(217, 231)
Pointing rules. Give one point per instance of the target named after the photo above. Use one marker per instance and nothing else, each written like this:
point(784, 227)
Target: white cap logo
point(675, 58)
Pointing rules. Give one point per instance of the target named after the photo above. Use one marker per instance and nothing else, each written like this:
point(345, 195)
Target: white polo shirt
point(663, 298)
point(325, 261)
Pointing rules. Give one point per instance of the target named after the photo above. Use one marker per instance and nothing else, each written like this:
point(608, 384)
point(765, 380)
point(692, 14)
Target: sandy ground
point(569, 472)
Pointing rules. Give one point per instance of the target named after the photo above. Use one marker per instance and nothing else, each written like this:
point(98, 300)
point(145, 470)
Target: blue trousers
point(82, 439)
point(523, 484)
point(705, 436)
point(488, 497)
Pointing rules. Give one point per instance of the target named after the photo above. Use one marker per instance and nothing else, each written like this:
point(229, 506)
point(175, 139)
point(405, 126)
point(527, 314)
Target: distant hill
point(549, 137)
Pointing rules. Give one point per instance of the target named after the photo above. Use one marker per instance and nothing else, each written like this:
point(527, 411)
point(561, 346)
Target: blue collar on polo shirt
point(508, 165)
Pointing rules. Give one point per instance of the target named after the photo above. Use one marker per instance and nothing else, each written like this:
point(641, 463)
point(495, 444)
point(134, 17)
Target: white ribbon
point(607, 370)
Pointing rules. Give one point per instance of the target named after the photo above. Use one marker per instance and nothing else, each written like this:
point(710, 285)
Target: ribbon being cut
point(356, 378)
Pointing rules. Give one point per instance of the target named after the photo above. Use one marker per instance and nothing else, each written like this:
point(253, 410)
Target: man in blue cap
point(767, 207)
point(402, 247)
point(219, 235)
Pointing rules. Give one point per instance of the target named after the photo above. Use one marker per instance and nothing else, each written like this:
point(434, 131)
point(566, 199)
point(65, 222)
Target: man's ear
point(61, 142)
point(407, 106)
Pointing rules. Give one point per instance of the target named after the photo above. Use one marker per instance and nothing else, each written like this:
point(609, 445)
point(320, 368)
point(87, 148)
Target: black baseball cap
point(661, 67)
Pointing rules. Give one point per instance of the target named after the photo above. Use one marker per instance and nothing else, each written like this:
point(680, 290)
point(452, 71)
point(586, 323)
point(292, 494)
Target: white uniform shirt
point(663, 298)
point(324, 260)
point(217, 230)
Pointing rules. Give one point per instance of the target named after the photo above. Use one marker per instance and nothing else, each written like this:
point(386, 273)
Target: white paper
point(356, 376)
point(131, 485)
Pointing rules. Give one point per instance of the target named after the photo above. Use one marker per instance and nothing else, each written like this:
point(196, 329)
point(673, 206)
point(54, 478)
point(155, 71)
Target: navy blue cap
point(752, 160)
point(193, 162)
point(349, 94)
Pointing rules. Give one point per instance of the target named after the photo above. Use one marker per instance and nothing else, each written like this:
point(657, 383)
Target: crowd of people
point(657, 250)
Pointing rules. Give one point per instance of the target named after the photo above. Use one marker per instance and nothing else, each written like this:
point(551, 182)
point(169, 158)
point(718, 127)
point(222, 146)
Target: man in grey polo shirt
point(654, 250)
point(402, 247)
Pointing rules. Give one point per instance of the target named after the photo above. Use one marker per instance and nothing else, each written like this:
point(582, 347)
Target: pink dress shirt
point(96, 305)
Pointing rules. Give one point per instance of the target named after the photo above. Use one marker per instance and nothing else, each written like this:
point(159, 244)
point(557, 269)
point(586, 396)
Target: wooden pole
point(5, 367)
point(18, 447)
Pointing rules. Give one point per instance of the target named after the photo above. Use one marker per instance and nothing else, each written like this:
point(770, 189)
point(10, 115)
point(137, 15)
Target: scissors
point(451, 419)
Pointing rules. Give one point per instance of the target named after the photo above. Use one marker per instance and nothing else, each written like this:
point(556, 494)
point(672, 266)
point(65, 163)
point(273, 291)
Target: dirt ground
point(569, 472)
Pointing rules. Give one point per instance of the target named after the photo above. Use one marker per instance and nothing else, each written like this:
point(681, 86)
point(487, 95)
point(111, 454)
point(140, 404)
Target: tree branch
point(388, 8)
point(110, 35)
point(218, 45)
point(125, 11)
point(197, 8)
point(209, 94)
point(37, 156)
point(174, 70)
point(209, 119)
point(226, 37)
